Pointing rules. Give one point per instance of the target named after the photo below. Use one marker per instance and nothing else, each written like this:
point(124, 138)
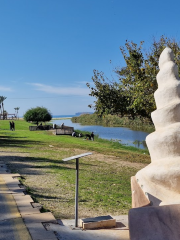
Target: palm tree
point(17, 109)
point(0, 108)
point(15, 112)
point(2, 98)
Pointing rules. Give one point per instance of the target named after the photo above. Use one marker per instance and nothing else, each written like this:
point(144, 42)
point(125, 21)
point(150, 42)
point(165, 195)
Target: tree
point(16, 111)
point(110, 97)
point(2, 98)
point(139, 75)
point(134, 93)
point(38, 114)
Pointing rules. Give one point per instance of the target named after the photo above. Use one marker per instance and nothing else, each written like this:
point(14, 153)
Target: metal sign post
point(77, 188)
point(77, 181)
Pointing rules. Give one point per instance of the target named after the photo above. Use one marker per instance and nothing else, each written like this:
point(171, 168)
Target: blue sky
point(49, 48)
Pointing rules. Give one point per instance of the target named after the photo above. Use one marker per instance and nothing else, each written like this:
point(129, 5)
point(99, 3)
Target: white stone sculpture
point(160, 180)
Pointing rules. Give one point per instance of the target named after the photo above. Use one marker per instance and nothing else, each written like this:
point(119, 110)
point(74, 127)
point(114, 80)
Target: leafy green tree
point(38, 114)
point(110, 98)
point(138, 77)
point(134, 93)
point(139, 84)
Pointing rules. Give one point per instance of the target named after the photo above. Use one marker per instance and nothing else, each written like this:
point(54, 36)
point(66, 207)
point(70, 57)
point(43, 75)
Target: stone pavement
point(20, 218)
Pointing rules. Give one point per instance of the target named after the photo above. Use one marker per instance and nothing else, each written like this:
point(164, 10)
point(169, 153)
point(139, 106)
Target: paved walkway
point(20, 218)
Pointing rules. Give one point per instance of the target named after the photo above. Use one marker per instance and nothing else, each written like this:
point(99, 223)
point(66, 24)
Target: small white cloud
point(5, 89)
point(85, 82)
point(82, 82)
point(80, 91)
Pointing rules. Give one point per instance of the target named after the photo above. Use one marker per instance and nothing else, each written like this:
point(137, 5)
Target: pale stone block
point(101, 224)
point(41, 217)
point(28, 210)
point(38, 232)
point(22, 200)
point(98, 222)
point(155, 223)
point(15, 191)
point(139, 199)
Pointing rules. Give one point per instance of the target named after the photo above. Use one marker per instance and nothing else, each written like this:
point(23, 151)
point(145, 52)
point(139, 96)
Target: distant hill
point(80, 113)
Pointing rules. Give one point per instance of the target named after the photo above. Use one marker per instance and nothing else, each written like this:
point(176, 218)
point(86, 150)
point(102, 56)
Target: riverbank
point(124, 135)
point(115, 121)
point(104, 185)
point(61, 118)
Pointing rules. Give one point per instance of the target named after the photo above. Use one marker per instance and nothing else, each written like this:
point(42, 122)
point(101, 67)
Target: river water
point(124, 135)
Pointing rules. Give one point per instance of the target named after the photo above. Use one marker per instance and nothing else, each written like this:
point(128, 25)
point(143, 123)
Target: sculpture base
point(155, 223)
point(139, 199)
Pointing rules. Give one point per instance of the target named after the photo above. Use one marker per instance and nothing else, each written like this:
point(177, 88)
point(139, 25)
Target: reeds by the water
point(115, 120)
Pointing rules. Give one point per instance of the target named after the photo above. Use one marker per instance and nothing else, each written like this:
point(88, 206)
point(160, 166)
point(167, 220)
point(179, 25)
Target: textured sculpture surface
point(160, 180)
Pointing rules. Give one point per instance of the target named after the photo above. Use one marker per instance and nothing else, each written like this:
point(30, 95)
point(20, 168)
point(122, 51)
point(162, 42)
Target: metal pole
point(76, 196)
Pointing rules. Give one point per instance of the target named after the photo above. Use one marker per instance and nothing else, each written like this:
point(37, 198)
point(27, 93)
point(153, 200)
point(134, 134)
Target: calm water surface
point(126, 136)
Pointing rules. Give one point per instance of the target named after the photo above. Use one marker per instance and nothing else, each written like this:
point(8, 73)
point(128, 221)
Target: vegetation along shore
point(115, 121)
point(104, 181)
point(127, 97)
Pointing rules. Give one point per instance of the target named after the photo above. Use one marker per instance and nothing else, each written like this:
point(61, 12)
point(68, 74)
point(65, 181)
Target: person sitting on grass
point(73, 134)
point(88, 136)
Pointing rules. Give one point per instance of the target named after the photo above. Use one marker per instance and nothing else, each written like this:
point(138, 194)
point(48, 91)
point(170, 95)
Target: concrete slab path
point(18, 219)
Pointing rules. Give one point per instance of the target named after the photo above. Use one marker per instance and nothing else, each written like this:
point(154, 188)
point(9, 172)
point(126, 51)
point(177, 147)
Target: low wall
point(64, 131)
point(39, 128)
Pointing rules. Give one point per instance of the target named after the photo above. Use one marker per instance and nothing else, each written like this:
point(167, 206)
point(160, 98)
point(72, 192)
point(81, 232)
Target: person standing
point(13, 126)
point(92, 136)
point(10, 125)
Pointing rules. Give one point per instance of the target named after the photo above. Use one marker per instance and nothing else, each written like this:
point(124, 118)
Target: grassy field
point(104, 180)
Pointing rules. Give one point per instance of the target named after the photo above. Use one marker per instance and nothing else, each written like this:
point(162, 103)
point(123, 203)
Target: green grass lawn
point(104, 180)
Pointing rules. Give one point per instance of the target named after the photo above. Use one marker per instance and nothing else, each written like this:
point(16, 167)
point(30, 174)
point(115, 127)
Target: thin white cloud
point(85, 82)
point(82, 82)
point(5, 89)
point(80, 91)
